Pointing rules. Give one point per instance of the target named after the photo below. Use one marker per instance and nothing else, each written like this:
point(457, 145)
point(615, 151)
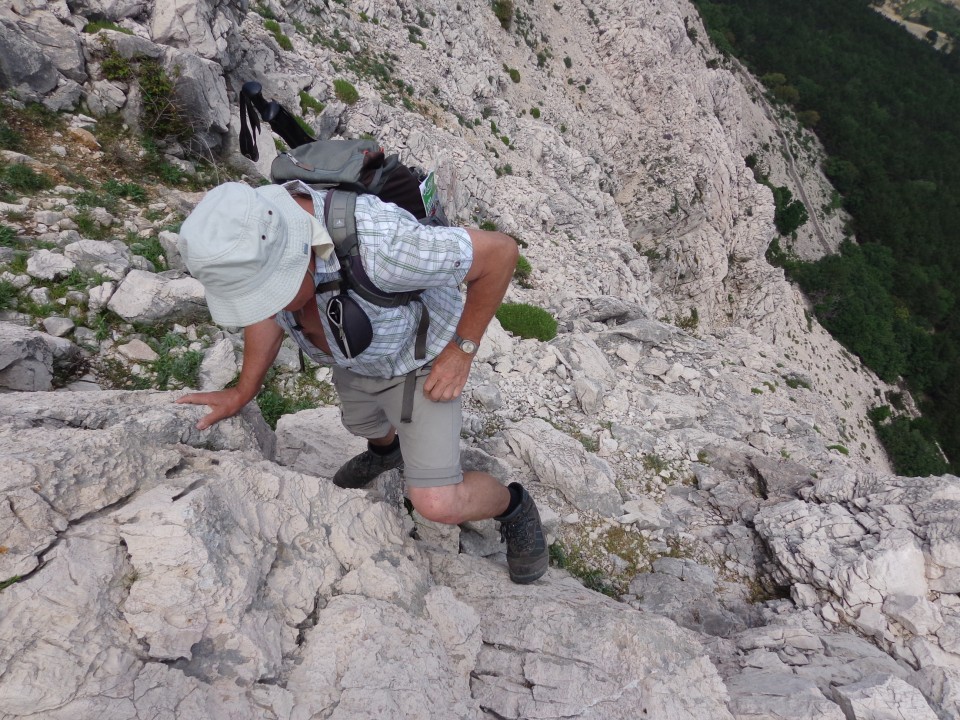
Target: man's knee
point(439, 504)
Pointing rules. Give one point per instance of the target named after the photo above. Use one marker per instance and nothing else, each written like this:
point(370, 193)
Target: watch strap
point(461, 341)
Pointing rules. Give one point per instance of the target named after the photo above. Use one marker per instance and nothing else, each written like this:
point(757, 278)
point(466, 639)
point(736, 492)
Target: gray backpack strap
point(338, 209)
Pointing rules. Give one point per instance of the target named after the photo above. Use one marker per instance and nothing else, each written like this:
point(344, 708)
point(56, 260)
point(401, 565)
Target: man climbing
point(265, 258)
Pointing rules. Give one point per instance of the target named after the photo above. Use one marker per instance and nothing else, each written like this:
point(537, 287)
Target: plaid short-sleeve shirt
point(398, 254)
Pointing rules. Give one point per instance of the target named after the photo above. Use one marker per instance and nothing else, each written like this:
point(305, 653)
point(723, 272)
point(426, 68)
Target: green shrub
point(8, 295)
point(24, 178)
point(273, 27)
point(535, 113)
point(8, 237)
point(309, 102)
point(568, 62)
point(114, 66)
point(522, 271)
point(148, 247)
point(162, 116)
point(527, 321)
point(264, 11)
point(513, 73)
point(10, 139)
point(345, 91)
point(488, 225)
point(303, 393)
point(128, 190)
point(503, 9)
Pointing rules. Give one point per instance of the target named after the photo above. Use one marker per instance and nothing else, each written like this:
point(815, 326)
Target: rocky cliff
point(698, 444)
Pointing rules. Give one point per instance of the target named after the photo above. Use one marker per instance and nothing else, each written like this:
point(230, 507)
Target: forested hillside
point(887, 108)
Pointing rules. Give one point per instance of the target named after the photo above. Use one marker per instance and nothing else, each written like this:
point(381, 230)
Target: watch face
point(468, 346)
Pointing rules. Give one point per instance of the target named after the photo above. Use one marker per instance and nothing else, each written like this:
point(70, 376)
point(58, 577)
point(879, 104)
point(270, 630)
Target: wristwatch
point(468, 346)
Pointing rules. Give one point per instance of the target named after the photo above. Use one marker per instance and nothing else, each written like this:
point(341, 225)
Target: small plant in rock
point(503, 9)
point(309, 102)
point(568, 62)
point(522, 272)
point(114, 66)
point(654, 463)
point(535, 113)
point(149, 248)
point(24, 178)
point(273, 27)
point(688, 323)
point(8, 295)
point(527, 321)
point(129, 190)
point(96, 26)
point(345, 91)
point(264, 11)
point(794, 382)
point(301, 393)
point(10, 139)
point(512, 72)
point(8, 237)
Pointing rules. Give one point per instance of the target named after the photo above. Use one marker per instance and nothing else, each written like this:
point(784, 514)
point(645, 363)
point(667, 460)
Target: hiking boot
point(527, 556)
point(361, 469)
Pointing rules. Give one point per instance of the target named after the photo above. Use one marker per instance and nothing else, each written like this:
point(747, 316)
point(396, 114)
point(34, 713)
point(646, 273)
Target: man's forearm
point(261, 344)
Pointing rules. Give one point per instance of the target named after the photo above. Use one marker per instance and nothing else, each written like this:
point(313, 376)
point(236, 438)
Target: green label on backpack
point(428, 191)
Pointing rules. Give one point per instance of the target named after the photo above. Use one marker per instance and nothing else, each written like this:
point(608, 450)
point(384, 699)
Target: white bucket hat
point(249, 248)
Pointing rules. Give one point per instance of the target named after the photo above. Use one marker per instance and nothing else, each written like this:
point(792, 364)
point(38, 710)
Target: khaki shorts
point(370, 407)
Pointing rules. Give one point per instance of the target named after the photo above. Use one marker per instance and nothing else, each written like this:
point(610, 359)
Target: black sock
point(385, 449)
point(516, 497)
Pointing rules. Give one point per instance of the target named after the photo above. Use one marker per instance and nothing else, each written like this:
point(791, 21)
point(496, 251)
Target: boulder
point(165, 297)
point(48, 265)
point(112, 260)
point(60, 43)
point(26, 360)
point(23, 63)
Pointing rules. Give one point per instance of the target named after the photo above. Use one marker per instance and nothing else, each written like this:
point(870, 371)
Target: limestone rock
point(58, 42)
point(315, 442)
point(58, 326)
point(26, 361)
point(524, 669)
point(23, 63)
point(148, 297)
point(219, 366)
point(47, 265)
point(882, 696)
point(560, 462)
point(138, 351)
point(95, 256)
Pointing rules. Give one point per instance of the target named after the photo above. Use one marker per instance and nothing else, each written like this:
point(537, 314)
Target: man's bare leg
point(481, 496)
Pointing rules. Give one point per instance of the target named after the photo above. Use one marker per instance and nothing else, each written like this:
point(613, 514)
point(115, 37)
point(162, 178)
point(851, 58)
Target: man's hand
point(223, 404)
point(448, 375)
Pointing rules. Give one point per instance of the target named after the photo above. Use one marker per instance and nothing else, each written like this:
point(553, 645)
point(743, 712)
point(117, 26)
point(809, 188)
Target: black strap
point(248, 135)
point(420, 348)
point(409, 394)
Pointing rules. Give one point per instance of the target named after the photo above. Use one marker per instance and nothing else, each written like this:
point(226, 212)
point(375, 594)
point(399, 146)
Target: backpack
point(345, 168)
